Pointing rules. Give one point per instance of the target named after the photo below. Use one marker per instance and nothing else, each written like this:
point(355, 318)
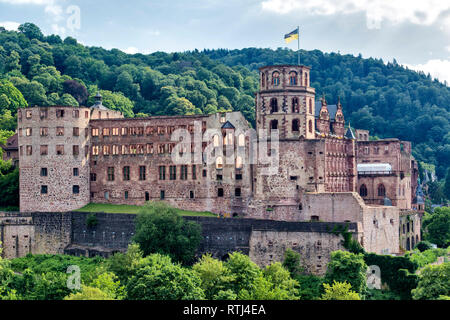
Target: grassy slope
point(125, 208)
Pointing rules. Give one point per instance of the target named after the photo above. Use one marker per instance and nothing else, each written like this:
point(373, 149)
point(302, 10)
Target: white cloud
point(37, 2)
point(414, 11)
point(10, 25)
point(131, 50)
point(436, 68)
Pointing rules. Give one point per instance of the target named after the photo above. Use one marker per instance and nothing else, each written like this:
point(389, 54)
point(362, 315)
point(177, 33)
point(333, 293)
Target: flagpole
point(298, 52)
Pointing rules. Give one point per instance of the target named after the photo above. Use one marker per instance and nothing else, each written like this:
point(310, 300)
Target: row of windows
point(75, 189)
point(293, 79)
point(381, 190)
point(60, 113)
point(59, 131)
point(142, 172)
point(376, 150)
point(139, 131)
point(295, 106)
point(59, 150)
point(162, 194)
point(44, 172)
point(295, 125)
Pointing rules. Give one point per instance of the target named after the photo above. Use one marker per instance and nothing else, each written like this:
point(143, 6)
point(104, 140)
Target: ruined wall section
point(53, 139)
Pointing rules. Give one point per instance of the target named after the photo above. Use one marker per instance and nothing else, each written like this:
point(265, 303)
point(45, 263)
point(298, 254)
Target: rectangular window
point(115, 131)
point(115, 150)
point(75, 172)
point(133, 149)
point(149, 148)
point(183, 172)
point(238, 176)
point(60, 149)
point(59, 131)
point(94, 132)
point(28, 114)
point(95, 150)
point(93, 177)
point(44, 189)
point(162, 195)
point(161, 130)
point(194, 172)
point(60, 113)
point(106, 150)
point(162, 173)
point(86, 114)
point(173, 172)
point(76, 131)
point(76, 189)
point(29, 150)
point(44, 114)
point(161, 149)
point(124, 149)
point(142, 173)
point(124, 131)
point(237, 192)
point(126, 195)
point(44, 172)
point(76, 113)
point(28, 132)
point(220, 192)
point(204, 173)
point(44, 150)
point(44, 132)
point(191, 194)
point(110, 173)
point(219, 177)
point(76, 150)
point(126, 173)
point(105, 131)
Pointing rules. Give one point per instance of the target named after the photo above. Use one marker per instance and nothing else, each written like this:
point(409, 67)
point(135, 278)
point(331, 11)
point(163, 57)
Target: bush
point(160, 229)
point(424, 245)
point(91, 220)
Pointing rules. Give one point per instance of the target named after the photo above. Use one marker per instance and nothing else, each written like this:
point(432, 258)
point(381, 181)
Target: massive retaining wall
point(265, 241)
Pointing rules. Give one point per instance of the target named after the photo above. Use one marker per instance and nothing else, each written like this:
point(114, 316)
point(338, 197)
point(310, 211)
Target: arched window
point(274, 124)
point(241, 140)
point(219, 163)
point(310, 126)
point(293, 78)
point(263, 80)
point(310, 106)
point(238, 162)
point(363, 191)
point(381, 190)
point(295, 108)
point(306, 79)
point(275, 78)
point(228, 139)
point(216, 140)
point(273, 105)
point(295, 125)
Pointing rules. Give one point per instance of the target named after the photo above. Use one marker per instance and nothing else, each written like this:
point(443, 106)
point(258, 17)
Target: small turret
point(324, 118)
point(339, 121)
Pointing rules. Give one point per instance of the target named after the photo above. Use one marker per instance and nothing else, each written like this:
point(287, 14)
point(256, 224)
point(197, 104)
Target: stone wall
point(52, 232)
point(16, 235)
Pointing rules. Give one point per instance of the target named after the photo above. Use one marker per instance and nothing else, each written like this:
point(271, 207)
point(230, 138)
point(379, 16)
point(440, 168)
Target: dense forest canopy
point(387, 99)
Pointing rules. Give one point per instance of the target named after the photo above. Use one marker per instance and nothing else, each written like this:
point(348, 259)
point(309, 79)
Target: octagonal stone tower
point(286, 101)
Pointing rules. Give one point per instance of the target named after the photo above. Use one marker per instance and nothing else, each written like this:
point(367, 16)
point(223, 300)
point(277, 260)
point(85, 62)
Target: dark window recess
point(75, 172)
point(237, 192)
point(191, 194)
point(204, 173)
point(44, 189)
point(147, 196)
point(126, 194)
point(238, 176)
point(293, 178)
point(314, 218)
point(219, 177)
point(44, 172)
point(220, 192)
point(76, 189)
point(162, 195)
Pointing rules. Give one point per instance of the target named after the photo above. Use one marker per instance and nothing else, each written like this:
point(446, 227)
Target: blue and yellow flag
point(291, 36)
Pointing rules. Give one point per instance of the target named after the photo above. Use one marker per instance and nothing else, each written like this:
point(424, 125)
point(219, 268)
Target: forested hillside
point(387, 99)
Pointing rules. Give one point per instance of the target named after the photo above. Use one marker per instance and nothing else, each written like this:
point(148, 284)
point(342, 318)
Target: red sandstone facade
point(305, 171)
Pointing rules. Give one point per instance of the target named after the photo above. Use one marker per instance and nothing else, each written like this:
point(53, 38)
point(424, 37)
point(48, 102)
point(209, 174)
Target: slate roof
point(11, 143)
point(227, 125)
point(350, 134)
point(332, 108)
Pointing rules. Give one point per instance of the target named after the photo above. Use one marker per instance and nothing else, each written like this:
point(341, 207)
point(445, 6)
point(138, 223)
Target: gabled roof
point(11, 143)
point(350, 134)
point(227, 125)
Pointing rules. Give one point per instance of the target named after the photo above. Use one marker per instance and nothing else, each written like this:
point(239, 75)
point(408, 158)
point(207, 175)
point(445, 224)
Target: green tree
point(434, 281)
point(9, 189)
point(292, 262)
point(347, 266)
point(68, 100)
point(10, 97)
point(447, 185)
point(31, 30)
point(160, 229)
point(437, 227)
point(339, 291)
point(215, 277)
point(89, 293)
point(244, 270)
point(124, 265)
point(159, 279)
point(109, 283)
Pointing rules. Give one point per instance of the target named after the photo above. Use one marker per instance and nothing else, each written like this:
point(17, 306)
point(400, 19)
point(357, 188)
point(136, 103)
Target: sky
point(414, 32)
